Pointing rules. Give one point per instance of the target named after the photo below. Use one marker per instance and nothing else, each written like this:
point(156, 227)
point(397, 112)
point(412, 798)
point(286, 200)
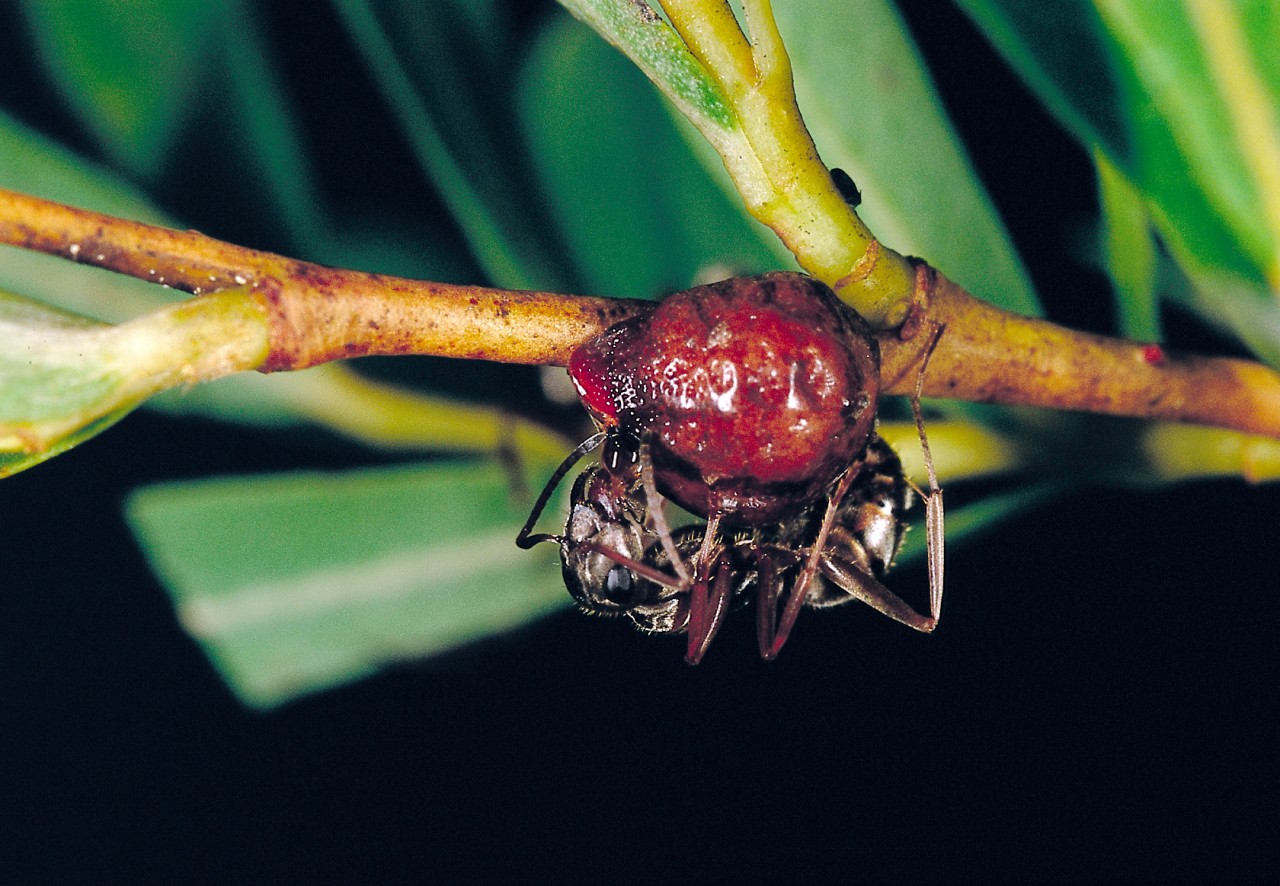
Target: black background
point(1098, 704)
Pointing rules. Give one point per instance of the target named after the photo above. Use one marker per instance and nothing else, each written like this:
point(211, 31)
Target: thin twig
point(320, 314)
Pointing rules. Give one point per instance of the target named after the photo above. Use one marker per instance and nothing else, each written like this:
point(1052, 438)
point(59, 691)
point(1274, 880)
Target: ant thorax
point(751, 404)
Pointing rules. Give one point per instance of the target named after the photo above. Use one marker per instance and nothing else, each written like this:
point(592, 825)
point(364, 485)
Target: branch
point(317, 314)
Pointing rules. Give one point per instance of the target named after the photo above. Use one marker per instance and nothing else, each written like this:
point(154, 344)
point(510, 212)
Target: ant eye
point(621, 586)
point(619, 449)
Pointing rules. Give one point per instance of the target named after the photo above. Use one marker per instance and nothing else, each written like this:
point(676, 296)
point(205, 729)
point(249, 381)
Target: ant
point(811, 519)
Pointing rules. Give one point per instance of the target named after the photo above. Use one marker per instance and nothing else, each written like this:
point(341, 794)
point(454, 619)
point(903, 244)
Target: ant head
point(604, 549)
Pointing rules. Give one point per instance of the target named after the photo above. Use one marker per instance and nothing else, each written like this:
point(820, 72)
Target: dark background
point(1098, 704)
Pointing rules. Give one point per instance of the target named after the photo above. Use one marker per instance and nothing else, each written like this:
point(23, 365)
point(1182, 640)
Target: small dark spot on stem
point(646, 11)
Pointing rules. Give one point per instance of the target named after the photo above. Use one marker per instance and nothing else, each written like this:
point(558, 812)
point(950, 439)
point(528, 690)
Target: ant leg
point(644, 570)
point(527, 538)
point(766, 602)
point(861, 585)
point(801, 588)
point(654, 507)
point(709, 595)
point(718, 605)
point(934, 535)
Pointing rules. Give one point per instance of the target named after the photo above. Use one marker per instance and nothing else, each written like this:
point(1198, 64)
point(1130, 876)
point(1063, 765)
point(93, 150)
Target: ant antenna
point(525, 540)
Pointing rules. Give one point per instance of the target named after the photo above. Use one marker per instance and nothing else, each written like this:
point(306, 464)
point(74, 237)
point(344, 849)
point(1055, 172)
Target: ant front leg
point(655, 502)
point(710, 591)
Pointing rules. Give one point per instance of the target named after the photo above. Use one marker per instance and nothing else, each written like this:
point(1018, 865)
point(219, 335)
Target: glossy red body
point(753, 394)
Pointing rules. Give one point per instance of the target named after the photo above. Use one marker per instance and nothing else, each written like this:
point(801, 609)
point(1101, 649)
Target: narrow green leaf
point(1236, 306)
point(1060, 49)
point(496, 228)
point(655, 48)
point(1130, 252)
point(127, 69)
point(1179, 82)
point(638, 212)
point(297, 583)
point(269, 136)
point(61, 377)
point(327, 395)
point(868, 102)
point(34, 164)
point(1134, 82)
point(14, 462)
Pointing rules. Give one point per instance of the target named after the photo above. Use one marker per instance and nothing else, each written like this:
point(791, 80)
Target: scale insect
point(750, 403)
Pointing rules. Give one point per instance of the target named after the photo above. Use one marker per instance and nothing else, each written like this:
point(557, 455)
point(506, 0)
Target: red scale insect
point(754, 394)
point(750, 403)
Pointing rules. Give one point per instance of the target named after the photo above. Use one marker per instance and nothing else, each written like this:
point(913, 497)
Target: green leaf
point(1060, 49)
point(637, 211)
point(872, 111)
point(268, 138)
point(1172, 62)
point(1130, 252)
point(63, 379)
point(14, 462)
point(654, 47)
point(457, 149)
point(1238, 307)
point(296, 583)
point(1185, 140)
point(127, 69)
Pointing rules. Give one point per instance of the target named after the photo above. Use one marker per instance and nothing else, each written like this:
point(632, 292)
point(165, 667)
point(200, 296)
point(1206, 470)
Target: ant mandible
point(750, 403)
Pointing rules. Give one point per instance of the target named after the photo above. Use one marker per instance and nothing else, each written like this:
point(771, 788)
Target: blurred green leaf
point(1130, 252)
point(301, 582)
point(1145, 64)
point(456, 131)
point(1236, 306)
point(327, 395)
point(1061, 50)
point(269, 137)
point(129, 70)
point(61, 376)
point(638, 213)
point(868, 102)
point(1176, 79)
point(34, 164)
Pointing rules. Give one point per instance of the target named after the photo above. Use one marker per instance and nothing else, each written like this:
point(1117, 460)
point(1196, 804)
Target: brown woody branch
point(318, 314)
